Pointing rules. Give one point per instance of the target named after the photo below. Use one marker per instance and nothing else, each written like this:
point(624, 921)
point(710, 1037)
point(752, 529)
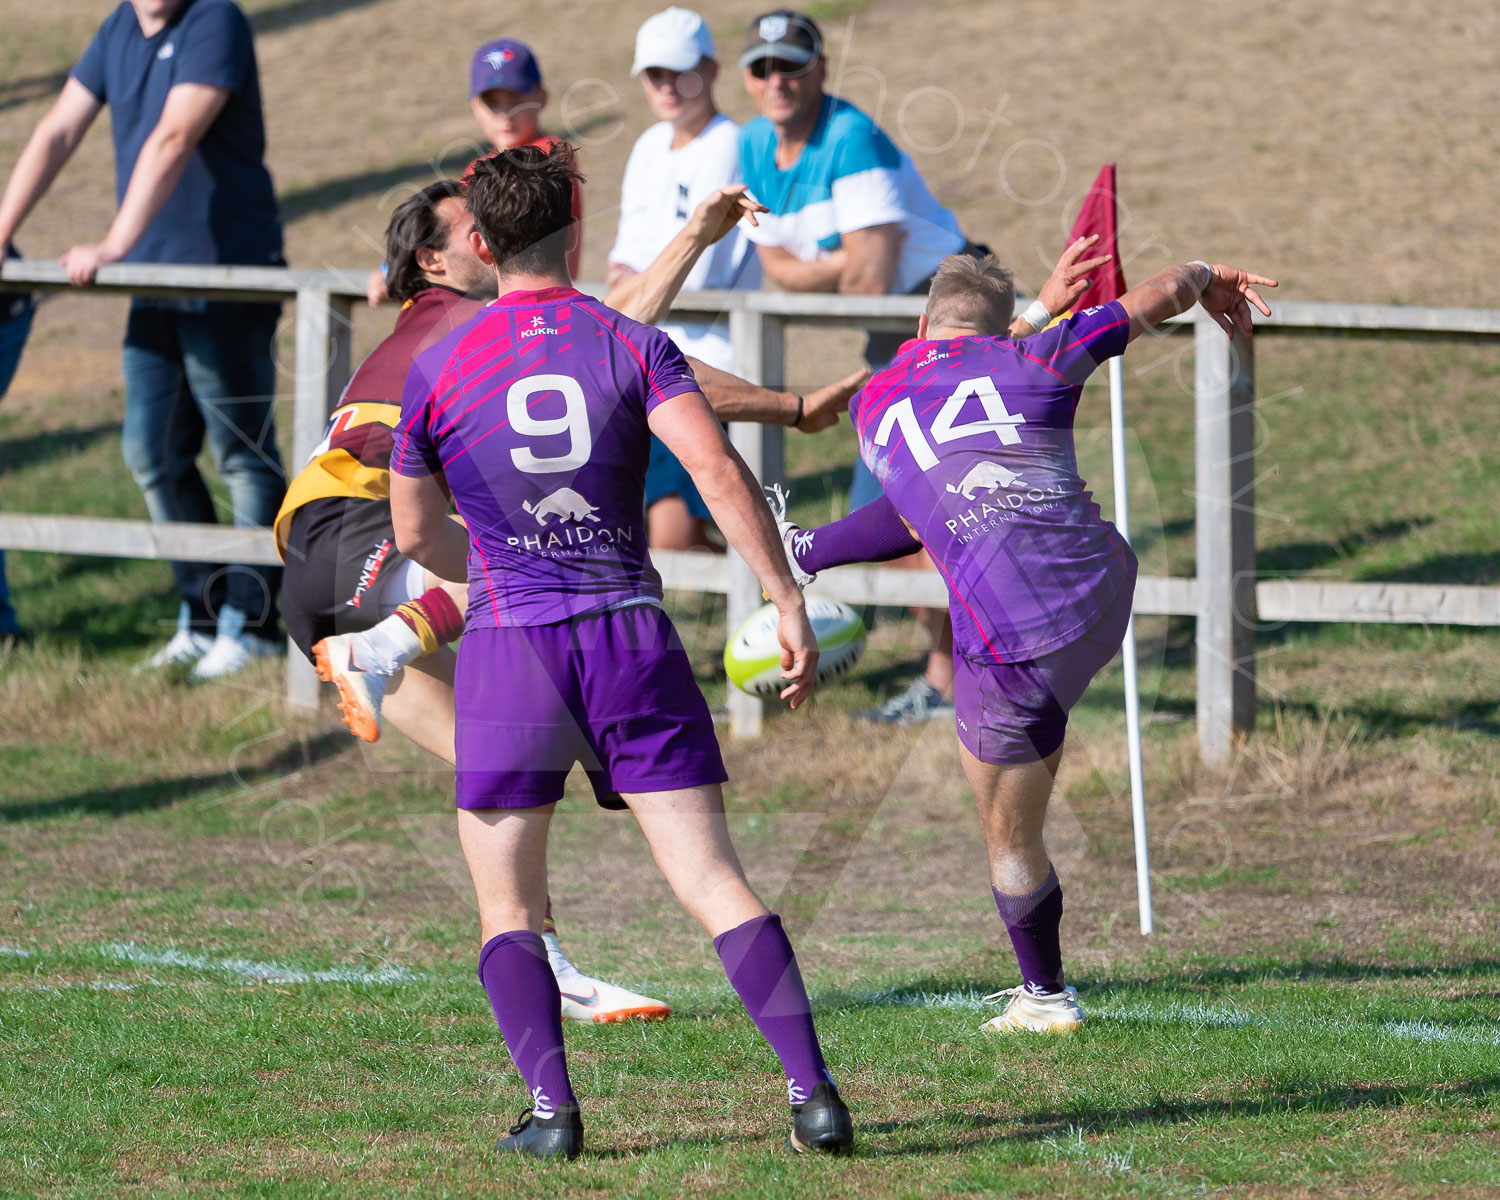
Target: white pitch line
point(260, 972)
point(967, 1000)
point(1197, 1014)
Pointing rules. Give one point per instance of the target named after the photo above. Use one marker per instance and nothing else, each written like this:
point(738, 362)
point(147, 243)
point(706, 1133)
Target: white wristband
point(1198, 262)
point(1037, 316)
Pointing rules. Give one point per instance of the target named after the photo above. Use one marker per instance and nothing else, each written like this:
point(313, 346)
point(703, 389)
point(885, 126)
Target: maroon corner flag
point(1098, 215)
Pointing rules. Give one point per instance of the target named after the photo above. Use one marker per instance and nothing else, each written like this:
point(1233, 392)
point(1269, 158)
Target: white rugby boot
point(777, 499)
point(1049, 1012)
point(345, 661)
point(585, 998)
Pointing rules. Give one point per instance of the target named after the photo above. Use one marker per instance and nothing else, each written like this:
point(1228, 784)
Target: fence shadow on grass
point(37, 448)
point(1296, 558)
point(1049, 1124)
point(143, 797)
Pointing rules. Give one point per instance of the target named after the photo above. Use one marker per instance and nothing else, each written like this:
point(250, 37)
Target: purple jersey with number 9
point(972, 440)
point(535, 413)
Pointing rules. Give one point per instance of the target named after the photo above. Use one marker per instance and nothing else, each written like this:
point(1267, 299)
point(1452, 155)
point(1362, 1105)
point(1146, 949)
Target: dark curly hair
point(416, 225)
point(522, 203)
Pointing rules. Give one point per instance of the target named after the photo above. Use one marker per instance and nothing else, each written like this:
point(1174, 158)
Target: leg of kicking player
point(1012, 812)
point(1024, 724)
point(413, 690)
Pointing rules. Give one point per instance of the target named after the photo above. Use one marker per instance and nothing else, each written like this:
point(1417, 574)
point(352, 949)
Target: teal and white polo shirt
point(849, 176)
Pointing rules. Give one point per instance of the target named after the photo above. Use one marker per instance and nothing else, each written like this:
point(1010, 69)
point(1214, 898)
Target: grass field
point(237, 948)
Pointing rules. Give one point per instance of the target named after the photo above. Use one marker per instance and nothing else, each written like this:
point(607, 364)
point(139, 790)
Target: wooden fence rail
point(1225, 596)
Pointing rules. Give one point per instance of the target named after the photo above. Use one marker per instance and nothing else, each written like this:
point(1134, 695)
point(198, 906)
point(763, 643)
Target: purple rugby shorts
point(613, 691)
point(1017, 712)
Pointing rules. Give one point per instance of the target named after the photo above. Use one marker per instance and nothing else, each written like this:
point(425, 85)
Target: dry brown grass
point(1346, 147)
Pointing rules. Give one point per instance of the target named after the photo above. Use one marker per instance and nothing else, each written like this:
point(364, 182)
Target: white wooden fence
point(1225, 596)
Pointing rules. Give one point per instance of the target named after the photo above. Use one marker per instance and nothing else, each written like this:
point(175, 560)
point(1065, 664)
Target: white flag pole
point(1132, 688)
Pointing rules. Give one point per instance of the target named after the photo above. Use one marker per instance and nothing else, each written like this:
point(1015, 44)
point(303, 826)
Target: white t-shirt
point(662, 187)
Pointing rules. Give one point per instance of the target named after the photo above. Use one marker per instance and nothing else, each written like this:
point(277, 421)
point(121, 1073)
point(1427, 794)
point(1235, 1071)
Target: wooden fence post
point(323, 364)
point(759, 343)
point(1225, 490)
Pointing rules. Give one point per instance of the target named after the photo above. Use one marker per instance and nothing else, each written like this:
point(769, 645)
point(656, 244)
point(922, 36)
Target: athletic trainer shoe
point(821, 1122)
point(557, 1135)
point(919, 702)
point(777, 499)
point(585, 998)
point(1050, 1012)
point(345, 661)
point(232, 653)
point(186, 647)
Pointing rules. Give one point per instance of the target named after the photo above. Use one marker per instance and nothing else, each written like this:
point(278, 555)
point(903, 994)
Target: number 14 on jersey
point(946, 427)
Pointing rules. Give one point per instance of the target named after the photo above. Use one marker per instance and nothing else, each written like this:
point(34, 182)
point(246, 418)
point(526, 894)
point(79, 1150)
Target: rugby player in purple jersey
point(535, 416)
point(970, 433)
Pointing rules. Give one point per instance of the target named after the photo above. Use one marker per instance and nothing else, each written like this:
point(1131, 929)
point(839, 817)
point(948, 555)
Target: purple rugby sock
point(763, 969)
point(874, 533)
point(528, 1008)
point(1033, 922)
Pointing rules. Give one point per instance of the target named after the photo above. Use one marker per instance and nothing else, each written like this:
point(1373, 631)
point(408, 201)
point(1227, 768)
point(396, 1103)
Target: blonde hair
point(971, 293)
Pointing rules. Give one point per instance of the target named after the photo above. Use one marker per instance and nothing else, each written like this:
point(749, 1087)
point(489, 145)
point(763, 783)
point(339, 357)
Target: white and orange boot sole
point(361, 689)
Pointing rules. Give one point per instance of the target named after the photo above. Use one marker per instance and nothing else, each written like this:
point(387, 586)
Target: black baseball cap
point(784, 34)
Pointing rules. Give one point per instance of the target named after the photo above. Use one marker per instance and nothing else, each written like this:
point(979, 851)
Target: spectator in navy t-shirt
point(189, 138)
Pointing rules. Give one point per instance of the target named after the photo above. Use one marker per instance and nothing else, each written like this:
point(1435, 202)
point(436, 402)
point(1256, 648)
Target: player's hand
point(375, 293)
point(799, 655)
point(1228, 297)
point(1070, 278)
point(821, 406)
point(722, 210)
point(82, 263)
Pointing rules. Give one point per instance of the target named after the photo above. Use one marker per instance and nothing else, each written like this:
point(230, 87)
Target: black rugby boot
point(822, 1122)
point(557, 1136)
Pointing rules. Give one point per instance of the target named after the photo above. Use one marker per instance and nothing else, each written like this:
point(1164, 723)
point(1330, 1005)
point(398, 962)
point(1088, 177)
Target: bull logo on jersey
point(565, 504)
point(987, 477)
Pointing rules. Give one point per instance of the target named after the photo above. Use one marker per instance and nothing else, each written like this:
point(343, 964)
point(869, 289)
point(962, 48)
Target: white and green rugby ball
point(752, 659)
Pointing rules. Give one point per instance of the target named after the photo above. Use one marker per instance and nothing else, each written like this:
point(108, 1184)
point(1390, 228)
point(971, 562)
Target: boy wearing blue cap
point(506, 97)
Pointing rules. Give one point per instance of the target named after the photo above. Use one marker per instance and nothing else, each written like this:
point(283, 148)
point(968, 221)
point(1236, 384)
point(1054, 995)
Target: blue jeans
point(14, 328)
point(191, 370)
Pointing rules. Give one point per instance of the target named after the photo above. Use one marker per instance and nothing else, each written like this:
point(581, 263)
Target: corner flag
point(1098, 215)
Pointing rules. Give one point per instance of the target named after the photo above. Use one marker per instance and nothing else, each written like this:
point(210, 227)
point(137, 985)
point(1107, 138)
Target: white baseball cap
point(675, 39)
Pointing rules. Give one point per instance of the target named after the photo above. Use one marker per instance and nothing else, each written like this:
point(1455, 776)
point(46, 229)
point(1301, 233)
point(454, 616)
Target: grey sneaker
point(790, 533)
point(919, 702)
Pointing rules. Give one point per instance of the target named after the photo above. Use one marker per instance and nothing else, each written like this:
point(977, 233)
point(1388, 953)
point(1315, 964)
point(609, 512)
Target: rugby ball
point(752, 659)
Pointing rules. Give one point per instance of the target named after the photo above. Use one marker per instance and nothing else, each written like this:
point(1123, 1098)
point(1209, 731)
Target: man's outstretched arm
point(736, 399)
point(646, 297)
point(1225, 292)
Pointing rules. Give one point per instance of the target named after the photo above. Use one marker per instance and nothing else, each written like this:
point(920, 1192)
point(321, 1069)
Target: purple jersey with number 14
point(535, 412)
point(972, 440)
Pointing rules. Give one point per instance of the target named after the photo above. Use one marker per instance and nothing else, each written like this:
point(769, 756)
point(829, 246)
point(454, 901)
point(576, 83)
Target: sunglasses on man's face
point(764, 68)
